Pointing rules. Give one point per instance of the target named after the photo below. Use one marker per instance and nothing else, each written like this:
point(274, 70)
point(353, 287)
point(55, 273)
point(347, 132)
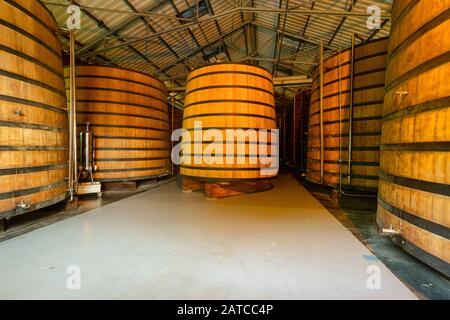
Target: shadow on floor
point(30, 221)
point(358, 215)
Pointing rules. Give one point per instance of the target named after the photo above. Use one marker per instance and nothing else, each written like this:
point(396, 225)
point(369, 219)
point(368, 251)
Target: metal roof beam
point(79, 44)
point(304, 31)
point(350, 8)
point(338, 13)
point(279, 47)
point(249, 30)
point(175, 8)
point(375, 32)
point(307, 20)
point(219, 30)
point(108, 10)
point(245, 30)
point(233, 11)
point(275, 43)
point(194, 52)
point(246, 40)
point(293, 36)
point(101, 24)
point(239, 50)
point(120, 27)
point(147, 24)
point(261, 58)
point(252, 28)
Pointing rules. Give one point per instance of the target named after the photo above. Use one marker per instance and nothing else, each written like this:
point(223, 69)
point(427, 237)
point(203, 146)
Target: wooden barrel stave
point(121, 119)
point(236, 96)
point(15, 16)
point(128, 114)
point(33, 120)
point(45, 117)
point(414, 194)
point(233, 108)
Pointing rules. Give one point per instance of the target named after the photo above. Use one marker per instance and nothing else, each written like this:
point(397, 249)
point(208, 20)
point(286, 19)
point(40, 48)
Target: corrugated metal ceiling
point(288, 37)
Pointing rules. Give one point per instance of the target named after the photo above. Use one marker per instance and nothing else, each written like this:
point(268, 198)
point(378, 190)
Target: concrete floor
point(165, 244)
point(358, 215)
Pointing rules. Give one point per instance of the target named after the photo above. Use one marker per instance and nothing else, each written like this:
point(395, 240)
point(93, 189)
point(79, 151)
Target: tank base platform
point(90, 188)
point(217, 190)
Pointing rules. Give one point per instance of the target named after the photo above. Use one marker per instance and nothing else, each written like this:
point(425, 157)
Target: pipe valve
point(391, 231)
point(401, 93)
point(23, 205)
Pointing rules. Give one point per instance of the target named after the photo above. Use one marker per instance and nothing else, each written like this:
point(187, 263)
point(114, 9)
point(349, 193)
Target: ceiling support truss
point(233, 11)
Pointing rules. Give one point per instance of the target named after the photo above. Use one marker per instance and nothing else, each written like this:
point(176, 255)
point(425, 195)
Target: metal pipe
point(284, 133)
point(340, 121)
point(322, 138)
point(73, 104)
point(389, 232)
point(172, 125)
point(350, 113)
point(302, 150)
point(71, 129)
point(294, 158)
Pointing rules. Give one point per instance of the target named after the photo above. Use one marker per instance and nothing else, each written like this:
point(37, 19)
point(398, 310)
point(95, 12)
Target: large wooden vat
point(365, 100)
point(175, 118)
point(297, 126)
point(414, 193)
point(128, 115)
point(33, 119)
point(283, 112)
point(229, 96)
point(176, 122)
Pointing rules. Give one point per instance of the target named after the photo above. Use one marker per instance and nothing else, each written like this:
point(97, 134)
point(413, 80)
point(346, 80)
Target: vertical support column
point(71, 146)
point(322, 146)
point(172, 96)
point(73, 170)
point(340, 119)
point(294, 131)
point(350, 113)
point(302, 148)
point(284, 133)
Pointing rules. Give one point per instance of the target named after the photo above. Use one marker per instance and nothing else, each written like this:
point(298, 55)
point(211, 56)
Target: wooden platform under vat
point(3, 225)
point(120, 186)
point(217, 190)
point(130, 185)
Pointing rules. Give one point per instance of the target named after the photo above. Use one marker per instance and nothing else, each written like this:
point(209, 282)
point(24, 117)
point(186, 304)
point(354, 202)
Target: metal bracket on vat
point(401, 94)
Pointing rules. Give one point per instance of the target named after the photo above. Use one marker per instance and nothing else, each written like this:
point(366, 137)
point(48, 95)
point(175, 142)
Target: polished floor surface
point(165, 244)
